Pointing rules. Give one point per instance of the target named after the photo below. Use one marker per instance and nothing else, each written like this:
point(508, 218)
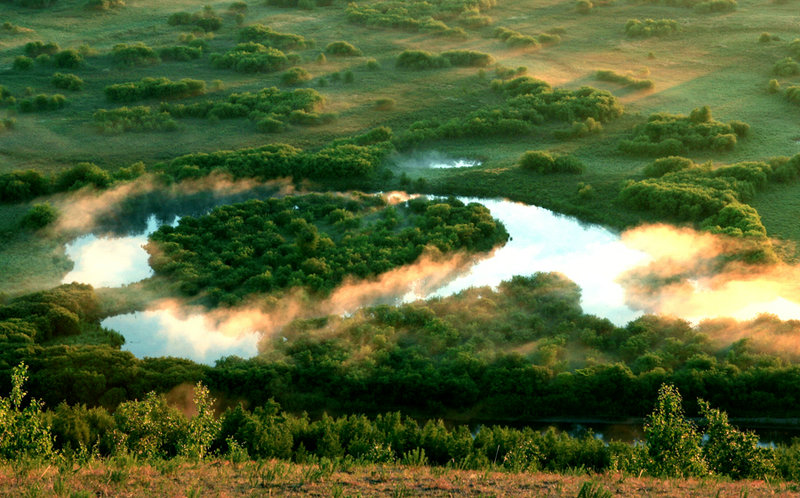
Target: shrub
point(786, 67)
point(39, 216)
point(548, 38)
point(135, 54)
point(794, 48)
point(624, 79)
point(294, 76)
point(665, 165)
point(765, 38)
point(104, 4)
point(348, 76)
point(793, 94)
point(154, 88)
point(252, 58)
point(36, 48)
point(467, 58)
point(238, 7)
point(544, 162)
point(673, 444)
point(342, 49)
point(22, 63)
point(180, 53)
point(138, 119)
point(67, 82)
point(258, 33)
point(774, 86)
point(515, 38)
point(68, 59)
point(41, 102)
point(81, 175)
point(419, 60)
point(635, 28)
point(373, 65)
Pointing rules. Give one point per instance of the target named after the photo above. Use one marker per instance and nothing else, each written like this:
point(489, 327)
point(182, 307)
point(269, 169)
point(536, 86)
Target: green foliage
point(203, 428)
point(134, 54)
point(288, 247)
point(342, 49)
point(271, 109)
point(104, 4)
point(664, 165)
point(69, 58)
point(584, 6)
point(515, 38)
point(67, 81)
point(467, 58)
point(81, 175)
point(625, 80)
point(544, 162)
point(180, 53)
point(793, 94)
point(151, 428)
point(385, 104)
point(419, 60)
point(786, 67)
point(635, 28)
point(294, 76)
point(794, 48)
point(673, 444)
point(258, 33)
point(42, 102)
point(22, 63)
point(36, 48)
point(22, 185)
point(731, 452)
point(24, 432)
point(252, 57)
point(154, 88)
point(206, 20)
point(711, 6)
point(774, 86)
point(39, 216)
point(138, 118)
point(529, 102)
point(673, 134)
point(417, 15)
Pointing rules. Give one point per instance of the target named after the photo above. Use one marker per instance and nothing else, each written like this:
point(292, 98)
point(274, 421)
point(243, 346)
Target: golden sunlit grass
point(275, 478)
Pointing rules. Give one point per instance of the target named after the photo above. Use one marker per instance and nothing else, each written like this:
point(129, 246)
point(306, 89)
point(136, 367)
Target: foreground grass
point(275, 478)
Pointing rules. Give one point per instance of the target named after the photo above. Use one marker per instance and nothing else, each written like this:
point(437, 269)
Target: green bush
point(138, 118)
point(39, 216)
point(774, 86)
point(180, 53)
point(419, 60)
point(544, 162)
point(467, 58)
point(252, 57)
point(104, 4)
point(81, 175)
point(584, 6)
point(794, 48)
point(134, 54)
point(154, 88)
point(673, 443)
point(22, 63)
point(786, 67)
point(664, 165)
point(515, 38)
point(385, 104)
point(37, 48)
point(294, 76)
point(635, 28)
point(710, 6)
point(42, 102)
point(342, 49)
point(258, 33)
point(624, 79)
point(68, 59)
point(793, 94)
point(67, 82)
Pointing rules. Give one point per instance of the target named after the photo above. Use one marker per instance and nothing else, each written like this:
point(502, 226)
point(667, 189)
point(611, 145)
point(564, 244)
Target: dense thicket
point(672, 134)
point(650, 27)
point(624, 79)
point(265, 35)
point(529, 102)
point(271, 109)
point(311, 241)
point(418, 15)
point(137, 119)
point(251, 57)
point(154, 88)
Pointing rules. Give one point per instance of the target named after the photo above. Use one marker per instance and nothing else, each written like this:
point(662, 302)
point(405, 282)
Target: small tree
point(673, 444)
point(204, 427)
point(24, 433)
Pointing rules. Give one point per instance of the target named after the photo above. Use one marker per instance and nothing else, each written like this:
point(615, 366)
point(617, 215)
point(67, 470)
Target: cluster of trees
point(419, 15)
point(342, 49)
point(624, 79)
point(67, 81)
point(41, 102)
point(356, 157)
point(137, 119)
point(182, 53)
point(715, 199)
point(672, 134)
point(311, 241)
point(134, 54)
point(271, 109)
point(46, 53)
point(545, 162)
point(252, 57)
point(258, 33)
point(20, 186)
point(514, 38)
point(701, 6)
point(529, 102)
point(154, 88)
point(151, 429)
point(420, 59)
point(206, 20)
point(650, 27)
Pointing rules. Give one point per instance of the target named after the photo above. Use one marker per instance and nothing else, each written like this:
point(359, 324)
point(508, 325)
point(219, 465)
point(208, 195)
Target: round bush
point(342, 49)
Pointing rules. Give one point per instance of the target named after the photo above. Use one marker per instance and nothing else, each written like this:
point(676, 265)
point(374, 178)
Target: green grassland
point(713, 59)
